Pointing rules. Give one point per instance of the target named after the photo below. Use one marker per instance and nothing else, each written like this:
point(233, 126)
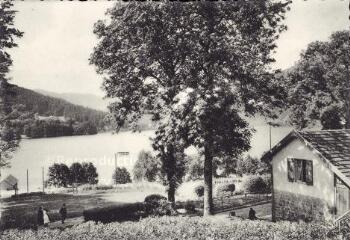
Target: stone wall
point(296, 207)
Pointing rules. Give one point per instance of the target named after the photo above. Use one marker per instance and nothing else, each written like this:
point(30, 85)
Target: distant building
point(50, 118)
point(9, 183)
point(311, 175)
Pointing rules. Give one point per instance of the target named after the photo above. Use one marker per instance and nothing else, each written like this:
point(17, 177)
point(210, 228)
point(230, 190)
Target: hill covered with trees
point(36, 115)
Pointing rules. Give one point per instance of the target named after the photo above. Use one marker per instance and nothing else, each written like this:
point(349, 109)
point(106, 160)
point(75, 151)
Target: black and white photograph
point(165, 120)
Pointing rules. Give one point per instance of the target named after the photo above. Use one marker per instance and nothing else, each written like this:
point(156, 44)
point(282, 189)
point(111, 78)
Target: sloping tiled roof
point(333, 145)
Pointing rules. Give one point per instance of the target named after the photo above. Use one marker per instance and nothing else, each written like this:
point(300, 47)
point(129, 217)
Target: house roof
point(10, 180)
point(333, 145)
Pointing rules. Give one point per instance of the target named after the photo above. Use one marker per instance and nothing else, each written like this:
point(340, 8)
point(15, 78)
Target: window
point(300, 170)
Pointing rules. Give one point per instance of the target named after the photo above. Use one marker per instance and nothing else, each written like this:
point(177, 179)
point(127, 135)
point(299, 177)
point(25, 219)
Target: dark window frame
point(300, 171)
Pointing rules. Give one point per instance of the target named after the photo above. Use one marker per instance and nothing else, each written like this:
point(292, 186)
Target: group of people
point(43, 217)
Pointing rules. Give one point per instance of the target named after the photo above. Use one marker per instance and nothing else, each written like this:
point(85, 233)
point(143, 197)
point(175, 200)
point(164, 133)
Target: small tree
point(251, 165)
point(146, 167)
point(59, 175)
point(121, 176)
point(77, 173)
point(256, 184)
point(90, 173)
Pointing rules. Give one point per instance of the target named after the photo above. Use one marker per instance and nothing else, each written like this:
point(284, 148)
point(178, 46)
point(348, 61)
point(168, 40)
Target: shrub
point(158, 205)
point(226, 188)
point(154, 198)
point(199, 190)
point(124, 212)
point(255, 184)
point(104, 187)
point(184, 228)
point(121, 176)
point(163, 207)
point(190, 207)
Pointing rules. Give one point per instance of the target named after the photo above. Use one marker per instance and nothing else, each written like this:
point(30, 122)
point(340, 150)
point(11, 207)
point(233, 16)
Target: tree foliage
point(251, 165)
point(90, 173)
point(60, 175)
point(191, 67)
point(146, 167)
point(318, 84)
point(195, 167)
point(8, 138)
point(121, 176)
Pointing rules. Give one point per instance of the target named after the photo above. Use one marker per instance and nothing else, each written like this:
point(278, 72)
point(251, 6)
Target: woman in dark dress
point(40, 216)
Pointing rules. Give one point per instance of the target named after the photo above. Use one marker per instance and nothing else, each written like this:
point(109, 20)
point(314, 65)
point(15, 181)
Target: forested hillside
point(36, 115)
point(49, 106)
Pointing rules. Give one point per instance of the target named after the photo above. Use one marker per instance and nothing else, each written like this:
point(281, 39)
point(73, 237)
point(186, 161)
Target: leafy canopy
point(9, 139)
point(146, 167)
point(196, 67)
point(318, 85)
point(191, 67)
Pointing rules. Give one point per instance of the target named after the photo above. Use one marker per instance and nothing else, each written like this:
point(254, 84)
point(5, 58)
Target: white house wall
point(323, 178)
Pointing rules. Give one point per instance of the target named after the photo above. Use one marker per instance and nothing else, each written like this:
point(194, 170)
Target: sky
point(58, 40)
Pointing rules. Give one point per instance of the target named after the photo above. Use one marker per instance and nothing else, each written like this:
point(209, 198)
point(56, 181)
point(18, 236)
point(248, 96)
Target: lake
point(100, 149)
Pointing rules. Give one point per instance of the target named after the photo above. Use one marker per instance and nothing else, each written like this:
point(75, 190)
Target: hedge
point(256, 184)
point(124, 212)
point(154, 198)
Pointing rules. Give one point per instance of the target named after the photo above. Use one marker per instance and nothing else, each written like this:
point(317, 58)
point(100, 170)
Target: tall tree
point(196, 67)
point(8, 138)
point(318, 85)
point(146, 167)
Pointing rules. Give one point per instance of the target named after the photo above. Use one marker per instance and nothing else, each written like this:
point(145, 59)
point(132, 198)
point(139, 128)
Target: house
point(9, 183)
point(311, 175)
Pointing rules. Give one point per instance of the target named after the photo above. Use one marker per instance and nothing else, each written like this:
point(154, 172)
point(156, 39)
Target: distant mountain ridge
point(82, 99)
point(43, 105)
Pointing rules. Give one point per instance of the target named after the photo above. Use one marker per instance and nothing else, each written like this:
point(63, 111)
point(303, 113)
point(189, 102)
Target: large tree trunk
point(208, 181)
point(171, 174)
point(171, 193)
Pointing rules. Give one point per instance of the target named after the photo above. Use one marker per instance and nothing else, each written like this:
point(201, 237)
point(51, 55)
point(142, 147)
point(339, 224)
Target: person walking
point(46, 217)
point(63, 212)
point(40, 216)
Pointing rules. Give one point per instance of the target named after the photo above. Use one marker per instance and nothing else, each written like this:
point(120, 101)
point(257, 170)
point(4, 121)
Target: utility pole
point(27, 182)
point(270, 135)
point(43, 179)
point(0, 174)
point(115, 160)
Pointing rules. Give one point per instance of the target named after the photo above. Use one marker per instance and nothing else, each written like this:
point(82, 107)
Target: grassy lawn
point(21, 212)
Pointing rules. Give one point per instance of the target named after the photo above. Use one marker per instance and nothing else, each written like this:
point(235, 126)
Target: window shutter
point(298, 166)
point(309, 172)
point(291, 170)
